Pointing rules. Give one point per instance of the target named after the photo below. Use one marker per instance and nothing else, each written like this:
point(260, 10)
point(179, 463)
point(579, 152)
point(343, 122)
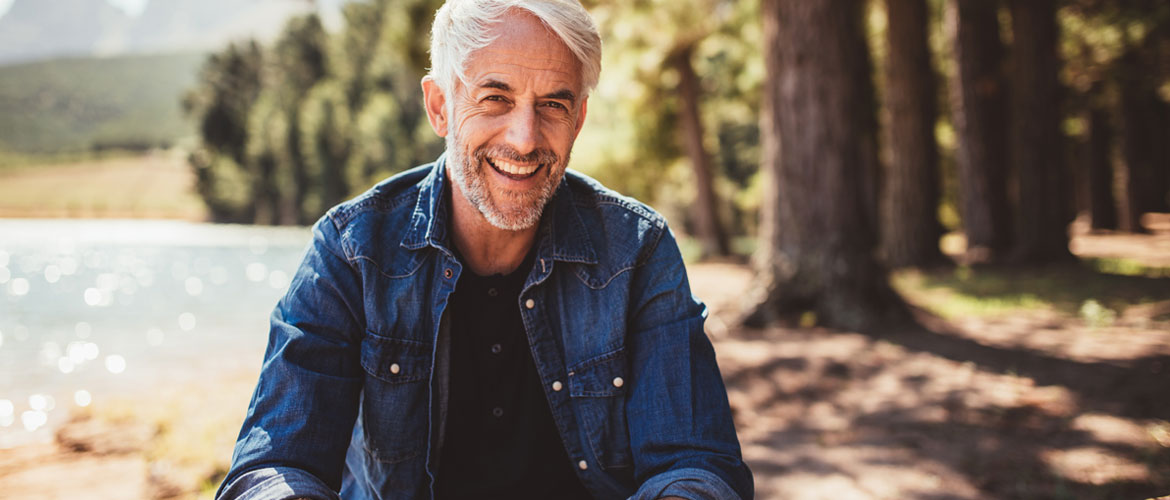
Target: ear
point(436, 105)
point(581, 116)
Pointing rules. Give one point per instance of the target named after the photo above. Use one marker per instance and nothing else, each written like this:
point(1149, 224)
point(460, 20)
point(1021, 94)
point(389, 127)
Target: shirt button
point(394, 368)
point(498, 412)
point(492, 292)
point(448, 273)
point(496, 348)
point(557, 386)
point(530, 303)
point(582, 465)
point(617, 381)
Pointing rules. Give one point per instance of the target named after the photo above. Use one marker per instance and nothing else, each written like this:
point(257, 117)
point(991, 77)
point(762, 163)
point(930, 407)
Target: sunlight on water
point(18, 287)
point(186, 322)
point(115, 364)
point(93, 309)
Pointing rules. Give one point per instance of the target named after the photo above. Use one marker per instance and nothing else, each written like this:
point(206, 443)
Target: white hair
point(461, 27)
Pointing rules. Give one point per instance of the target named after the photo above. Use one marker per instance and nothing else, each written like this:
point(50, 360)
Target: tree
point(817, 240)
point(672, 123)
point(1036, 142)
point(705, 213)
point(291, 130)
point(978, 100)
point(1102, 205)
point(910, 197)
point(1142, 122)
point(230, 85)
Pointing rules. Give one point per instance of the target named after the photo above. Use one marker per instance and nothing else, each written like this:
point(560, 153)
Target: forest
point(892, 122)
point(933, 236)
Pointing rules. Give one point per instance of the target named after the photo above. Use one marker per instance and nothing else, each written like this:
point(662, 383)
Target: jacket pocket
point(598, 390)
point(394, 400)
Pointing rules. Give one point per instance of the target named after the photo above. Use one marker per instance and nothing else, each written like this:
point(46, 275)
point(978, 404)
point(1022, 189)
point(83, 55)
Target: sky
point(131, 7)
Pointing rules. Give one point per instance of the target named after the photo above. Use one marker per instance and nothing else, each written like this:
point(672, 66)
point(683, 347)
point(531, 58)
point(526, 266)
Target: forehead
point(524, 48)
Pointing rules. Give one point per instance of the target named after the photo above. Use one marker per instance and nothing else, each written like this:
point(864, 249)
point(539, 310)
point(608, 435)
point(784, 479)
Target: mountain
point(31, 30)
point(37, 29)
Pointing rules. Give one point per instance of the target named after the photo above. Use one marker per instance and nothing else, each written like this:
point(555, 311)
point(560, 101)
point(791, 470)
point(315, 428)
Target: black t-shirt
point(501, 441)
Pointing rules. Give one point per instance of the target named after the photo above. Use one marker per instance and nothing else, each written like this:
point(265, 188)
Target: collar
point(561, 236)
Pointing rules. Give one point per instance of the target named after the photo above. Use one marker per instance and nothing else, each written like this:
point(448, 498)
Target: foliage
point(289, 130)
point(79, 104)
point(631, 139)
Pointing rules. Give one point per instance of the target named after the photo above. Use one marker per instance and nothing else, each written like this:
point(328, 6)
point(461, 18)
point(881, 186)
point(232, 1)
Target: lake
point(93, 309)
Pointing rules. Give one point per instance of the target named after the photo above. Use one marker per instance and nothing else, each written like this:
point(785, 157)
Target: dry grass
point(156, 185)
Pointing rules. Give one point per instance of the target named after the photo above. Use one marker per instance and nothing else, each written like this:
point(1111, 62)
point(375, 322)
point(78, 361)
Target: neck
point(486, 249)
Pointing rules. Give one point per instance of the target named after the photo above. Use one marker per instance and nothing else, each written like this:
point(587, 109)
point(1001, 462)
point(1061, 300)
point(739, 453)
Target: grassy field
point(154, 185)
point(79, 104)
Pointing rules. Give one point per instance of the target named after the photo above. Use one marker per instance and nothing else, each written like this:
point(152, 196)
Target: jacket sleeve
point(298, 426)
point(681, 431)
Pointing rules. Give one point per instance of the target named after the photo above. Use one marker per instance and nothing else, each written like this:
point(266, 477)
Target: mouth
point(514, 171)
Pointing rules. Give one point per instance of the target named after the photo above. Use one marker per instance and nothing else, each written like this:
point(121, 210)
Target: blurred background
point(934, 235)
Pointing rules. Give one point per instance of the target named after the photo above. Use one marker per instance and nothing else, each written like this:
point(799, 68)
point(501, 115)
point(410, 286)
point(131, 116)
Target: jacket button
point(557, 386)
point(617, 381)
point(530, 303)
point(394, 368)
point(447, 273)
point(582, 465)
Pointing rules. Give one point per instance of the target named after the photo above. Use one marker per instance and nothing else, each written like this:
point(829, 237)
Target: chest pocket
point(598, 387)
point(394, 403)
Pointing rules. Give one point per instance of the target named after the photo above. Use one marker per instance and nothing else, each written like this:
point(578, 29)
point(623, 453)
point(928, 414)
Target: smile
point(512, 170)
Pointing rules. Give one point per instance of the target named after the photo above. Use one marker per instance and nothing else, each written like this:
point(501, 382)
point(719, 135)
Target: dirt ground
point(1038, 403)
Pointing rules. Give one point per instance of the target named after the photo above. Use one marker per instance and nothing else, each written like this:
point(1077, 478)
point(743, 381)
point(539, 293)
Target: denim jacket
point(352, 393)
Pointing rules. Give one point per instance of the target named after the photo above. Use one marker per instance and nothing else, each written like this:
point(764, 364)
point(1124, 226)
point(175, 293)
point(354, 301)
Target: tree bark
point(817, 236)
point(910, 197)
point(980, 116)
point(1036, 145)
point(705, 211)
point(1141, 138)
point(1102, 205)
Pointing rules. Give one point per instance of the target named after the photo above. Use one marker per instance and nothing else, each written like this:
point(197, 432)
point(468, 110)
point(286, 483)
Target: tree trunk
point(817, 239)
point(1141, 137)
point(705, 210)
point(1042, 175)
point(909, 202)
point(1102, 206)
point(980, 117)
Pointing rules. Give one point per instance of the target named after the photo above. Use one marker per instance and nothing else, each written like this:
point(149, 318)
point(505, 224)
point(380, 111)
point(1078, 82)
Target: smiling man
point(491, 325)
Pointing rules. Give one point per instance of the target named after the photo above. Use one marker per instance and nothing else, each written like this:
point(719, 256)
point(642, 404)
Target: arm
point(294, 438)
point(680, 425)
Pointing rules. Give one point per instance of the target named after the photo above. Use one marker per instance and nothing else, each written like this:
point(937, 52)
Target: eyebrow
point(562, 94)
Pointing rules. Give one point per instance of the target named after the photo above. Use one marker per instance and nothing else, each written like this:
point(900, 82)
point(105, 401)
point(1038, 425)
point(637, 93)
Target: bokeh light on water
point(100, 309)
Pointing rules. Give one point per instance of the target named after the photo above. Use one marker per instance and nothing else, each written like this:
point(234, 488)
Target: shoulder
point(379, 217)
point(624, 231)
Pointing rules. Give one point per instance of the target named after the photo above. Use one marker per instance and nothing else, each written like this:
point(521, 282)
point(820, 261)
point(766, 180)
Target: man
point(490, 326)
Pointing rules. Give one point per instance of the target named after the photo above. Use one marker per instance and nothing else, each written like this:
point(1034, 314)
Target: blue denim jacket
point(352, 392)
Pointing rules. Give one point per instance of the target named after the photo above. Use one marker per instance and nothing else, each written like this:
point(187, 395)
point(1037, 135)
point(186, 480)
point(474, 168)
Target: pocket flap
point(395, 361)
point(602, 376)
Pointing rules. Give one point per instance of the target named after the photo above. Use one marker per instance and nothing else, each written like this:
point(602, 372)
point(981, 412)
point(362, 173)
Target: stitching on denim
point(384, 273)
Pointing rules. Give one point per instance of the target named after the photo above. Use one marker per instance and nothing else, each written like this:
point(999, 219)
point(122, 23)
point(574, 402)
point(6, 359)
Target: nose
point(523, 130)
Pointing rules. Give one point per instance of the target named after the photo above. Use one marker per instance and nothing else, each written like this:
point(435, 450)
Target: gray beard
point(468, 173)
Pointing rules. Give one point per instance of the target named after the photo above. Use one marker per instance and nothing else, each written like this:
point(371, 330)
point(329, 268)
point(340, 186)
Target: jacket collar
point(562, 234)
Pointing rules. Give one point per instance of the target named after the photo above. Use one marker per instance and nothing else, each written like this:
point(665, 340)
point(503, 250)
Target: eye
point(495, 98)
point(555, 105)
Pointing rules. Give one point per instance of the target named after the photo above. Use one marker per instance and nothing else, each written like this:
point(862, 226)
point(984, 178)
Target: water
point(94, 309)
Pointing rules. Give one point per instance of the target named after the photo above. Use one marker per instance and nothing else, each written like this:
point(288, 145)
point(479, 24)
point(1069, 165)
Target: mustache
point(540, 156)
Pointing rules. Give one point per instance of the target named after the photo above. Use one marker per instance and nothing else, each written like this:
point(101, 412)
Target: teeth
point(514, 169)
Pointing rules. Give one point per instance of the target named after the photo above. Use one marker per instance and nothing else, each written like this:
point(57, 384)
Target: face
point(510, 128)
